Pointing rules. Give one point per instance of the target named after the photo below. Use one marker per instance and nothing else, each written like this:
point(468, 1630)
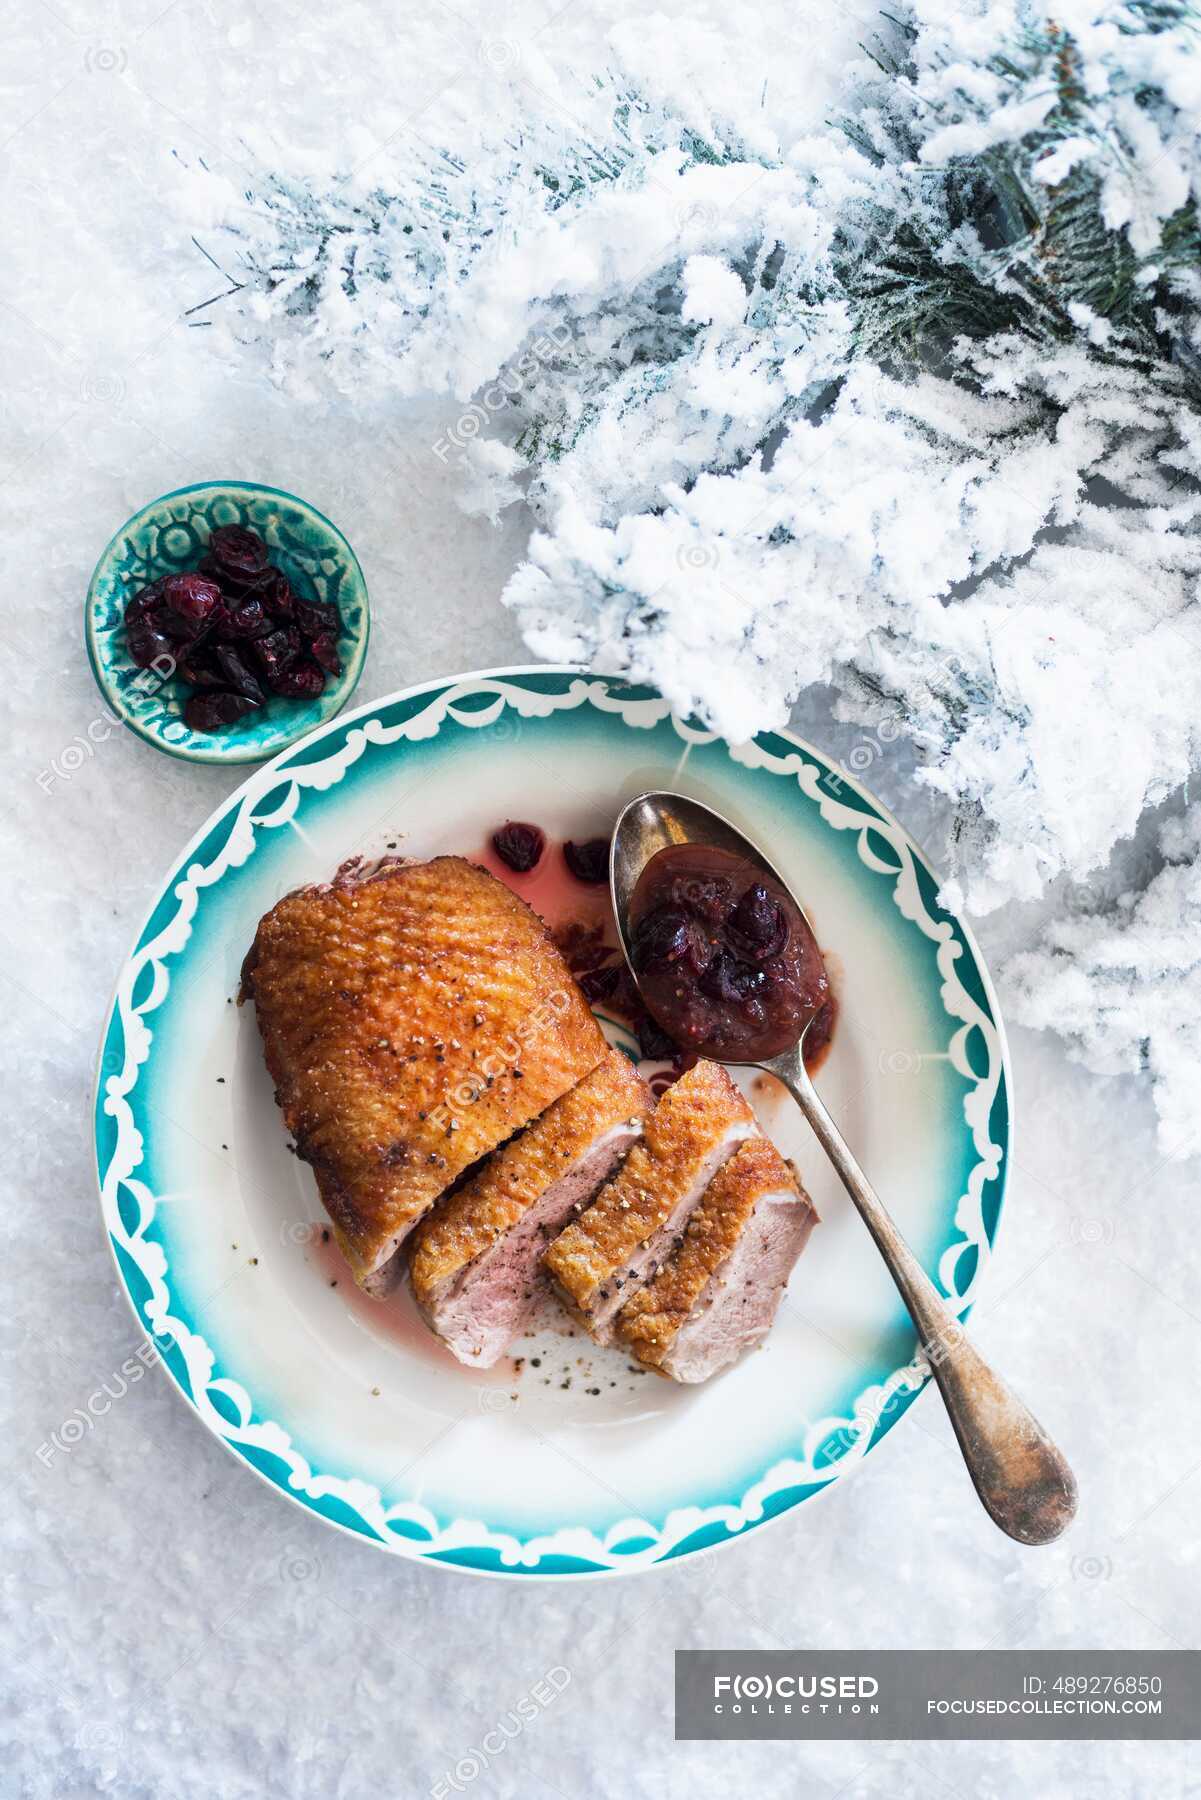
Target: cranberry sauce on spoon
point(724, 957)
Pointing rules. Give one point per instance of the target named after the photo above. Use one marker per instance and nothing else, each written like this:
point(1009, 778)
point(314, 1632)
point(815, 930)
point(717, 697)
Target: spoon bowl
point(1023, 1480)
point(657, 821)
point(764, 981)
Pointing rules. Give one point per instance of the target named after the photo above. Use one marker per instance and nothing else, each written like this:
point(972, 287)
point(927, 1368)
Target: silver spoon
point(1021, 1477)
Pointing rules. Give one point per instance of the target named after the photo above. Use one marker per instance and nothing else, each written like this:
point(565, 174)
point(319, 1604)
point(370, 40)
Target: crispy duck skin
point(474, 1259)
point(414, 1015)
point(717, 1293)
point(624, 1235)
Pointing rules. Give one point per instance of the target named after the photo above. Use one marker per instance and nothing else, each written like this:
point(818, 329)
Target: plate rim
point(407, 1548)
point(232, 757)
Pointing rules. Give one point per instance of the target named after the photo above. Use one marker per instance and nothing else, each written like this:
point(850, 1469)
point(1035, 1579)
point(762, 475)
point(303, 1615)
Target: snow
point(713, 295)
point(1124, 987)
point(643, 294)
point(170, 1627)
point(732, 498)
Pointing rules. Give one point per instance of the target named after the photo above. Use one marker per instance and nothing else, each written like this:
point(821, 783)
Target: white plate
point(574, 1463)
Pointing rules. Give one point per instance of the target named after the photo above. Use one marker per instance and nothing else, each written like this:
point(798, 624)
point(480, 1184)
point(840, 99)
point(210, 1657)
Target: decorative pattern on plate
point(271, 800)
point(171, 534)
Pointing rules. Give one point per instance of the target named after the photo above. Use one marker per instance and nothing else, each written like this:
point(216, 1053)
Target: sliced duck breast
point(623, 1237)
point(475, 1259)
point(414, 1016)
point(718, 1292)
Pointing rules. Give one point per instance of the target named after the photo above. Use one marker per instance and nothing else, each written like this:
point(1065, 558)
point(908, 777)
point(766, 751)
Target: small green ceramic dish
point(171, 534)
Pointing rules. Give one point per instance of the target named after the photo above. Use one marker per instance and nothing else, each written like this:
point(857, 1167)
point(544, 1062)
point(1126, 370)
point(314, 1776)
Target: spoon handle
point(1023, 1480)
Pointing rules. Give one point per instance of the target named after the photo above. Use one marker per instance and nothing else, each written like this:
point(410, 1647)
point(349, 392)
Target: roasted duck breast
point(720, 1287)
point(624, 1236)
point(414, 1016)
point(475, 1258)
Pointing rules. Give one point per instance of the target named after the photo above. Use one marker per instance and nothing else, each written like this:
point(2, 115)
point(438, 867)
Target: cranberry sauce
point(724, 958)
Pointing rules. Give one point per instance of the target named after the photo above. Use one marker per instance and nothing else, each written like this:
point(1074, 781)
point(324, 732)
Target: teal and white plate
point(564, 1461)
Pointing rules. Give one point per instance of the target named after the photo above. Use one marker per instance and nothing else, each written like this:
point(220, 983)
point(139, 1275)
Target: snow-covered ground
point(146, 1563)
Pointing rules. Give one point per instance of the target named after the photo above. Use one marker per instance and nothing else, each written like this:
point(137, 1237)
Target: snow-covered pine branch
point(1125, 987)
point(908, 404)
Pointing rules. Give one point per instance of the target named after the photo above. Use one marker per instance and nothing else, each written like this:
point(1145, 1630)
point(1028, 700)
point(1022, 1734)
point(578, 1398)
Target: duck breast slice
point(719, 1290)
point(475, 1259)
point(624, 1236)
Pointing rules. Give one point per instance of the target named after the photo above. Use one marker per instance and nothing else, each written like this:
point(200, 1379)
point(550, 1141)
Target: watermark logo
point(699, 216)
point(478, 1758)
point(83, 1421)
point(499, 1059)
point(1091, 1231)
point(691, 558)
point(99, 1738)
point(499, 53)
point(105, 59)
point(299, 1231)
point(105, 388)
point(299, 1565)
point(495, 1400)
point(503, 391)
point(945, 1343)
point(82, 748)
point(1091, 1568)
point(901, 1062)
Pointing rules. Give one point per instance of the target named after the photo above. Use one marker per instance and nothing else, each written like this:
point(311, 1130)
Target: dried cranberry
point(653, 1041)
point(189, 604)
point(728, 979)
point(518, 845)
point(301, 680)
point(237, 675)
point(276, 650)
point(222, 622)
point(146, 645)
point(200, 669)
point(237, 550)
point(590, 861)
point(758, 924)
point(667, 936)
point(662, 936)
point(324, 649)
point(209, 712)
point(275, 591)
point(143, 603)
point(234, 587)
point(600, 984)
point(249, 620)
point(176, 628)
point(316, 617)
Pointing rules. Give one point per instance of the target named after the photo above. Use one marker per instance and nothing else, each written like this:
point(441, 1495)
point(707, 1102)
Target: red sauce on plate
point(582, 922)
